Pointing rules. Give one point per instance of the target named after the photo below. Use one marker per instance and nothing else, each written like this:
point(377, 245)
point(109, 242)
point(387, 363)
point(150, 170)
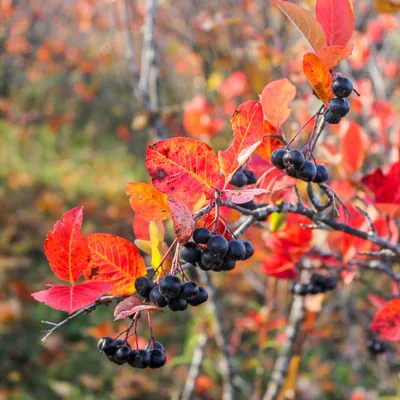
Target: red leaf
point(182, 219)
point(114, 260)
point(130, 306)
point(279, 265)
point(305, 22)
point(140, 227)
point(353, 147)
point(332, 55)
point(337, 19)
point(182, 167)
point(147, 201)
point(268, 146)
point(235, 85)
point(318, 76)
point(387, 321)
point(66, 248)
point(275, 99)
point(248, 130)
point(72, 298)
point(242, 196)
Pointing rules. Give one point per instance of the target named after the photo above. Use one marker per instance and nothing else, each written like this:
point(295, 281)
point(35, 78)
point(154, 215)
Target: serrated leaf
point(248, 130)
point(318, 76)
point(65, 247)
point(242, 196)
point(337, 20)
point(332, 55)
point(182, 220)
point(114, 260)
point(275, 99)
point(305, 22)
point(72, 298)
point(387, 321)
point(147, 201)
point(182, 167)
point(131, 305)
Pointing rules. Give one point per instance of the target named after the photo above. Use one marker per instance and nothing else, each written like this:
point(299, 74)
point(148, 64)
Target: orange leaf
point(275, 99)
point(386, 6)
point(66, 248)
point(147, 201)
point(387, 321)
point(305, 22)
point(182, 219)
point(353, 148)
point(182, 167)
point(337, 20)
point(331, 55)
point(114, 260)
point(318, 76)
point(248, 129)
point(267, 147)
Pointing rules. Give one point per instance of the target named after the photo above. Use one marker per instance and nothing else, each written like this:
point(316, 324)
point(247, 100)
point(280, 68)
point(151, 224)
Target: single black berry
point(277, 158)
point(293, 158)
point(189, 290)
point(331, 283)
point(191, 253)
point(157, 358)
point(342, 87)
point(211, 260)
point(122, 354)
point(239, 179)
point(237, 250)
point(299, 289)
point(201, 235)
point(228, 265)
point(308, 172)
point(318, 279)
point(219, 245)
point(104, 341)
point(291, 172)
point(157, 298)
point(200, 298)
point(143, 286)
point(202, 266)
point(376, 346)
point(112, 359)
point(170, 286)
point(251, 177)
point(155, 345)
point(322, 174)
point(250, 205)
point(332, 118)
point(111, 348)
point(339, 106)
point(315, 289)
point(139, 359)
point(249, 249)
point(178, 304)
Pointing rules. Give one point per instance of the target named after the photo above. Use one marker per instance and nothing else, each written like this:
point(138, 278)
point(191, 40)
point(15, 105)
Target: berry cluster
point(338, 107)
point(120, 353)
point(214, 252)
point(243, 177)
point(297, 166)
point(376, 346)
point(171, 292)
point(318, 284)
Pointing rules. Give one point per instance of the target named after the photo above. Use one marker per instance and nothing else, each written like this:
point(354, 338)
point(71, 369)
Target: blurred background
point(81, 96)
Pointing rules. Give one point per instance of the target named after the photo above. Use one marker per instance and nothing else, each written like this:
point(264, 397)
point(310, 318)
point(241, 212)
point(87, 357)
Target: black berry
point(228, 265)
point(170, 286)
point(237, 250)
point(104, 341)
point(308, 172)
point(139, 359)
point(318, 279)
point(191, 253)
point(143, 286)
point(156, 358)
point(299, 288)
point(200, 298)
point(332, 118)
point(219, 245)
point(342, 87)
point(157, 298)
point(201, 235)
point(331, 283)
point(250, 205)
point(339, 106)
point(322, 174)
point(122, 354)
point(202, 266)
point(293, 158)
point(376, 346)
point(111, 348)
point(179, 304)
point(249, 249)
point(239, 179)
point(251, 177)
point(189, 290)
point(112, 359)
point(277, 158)
point(210, 260)
point(315, 289)
point(291, 172)
point(155, 345)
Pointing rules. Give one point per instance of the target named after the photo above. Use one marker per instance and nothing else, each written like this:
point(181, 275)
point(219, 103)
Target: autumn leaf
point(130, 306)
point(337, 20)
point(386, 6)
point(318, 76)
point(268, 146)
point(279, 265)
point(354, 138)
point(242, 196)
point(72, 298)
point(248, 129)
point(305, 22)
point(147, 201)
point(387, 321)
point(234, 86)
point(114, 260)
point(182, 167)
point(182, 220)
point(332, 55)
point(275, 99)
point(65, 247)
